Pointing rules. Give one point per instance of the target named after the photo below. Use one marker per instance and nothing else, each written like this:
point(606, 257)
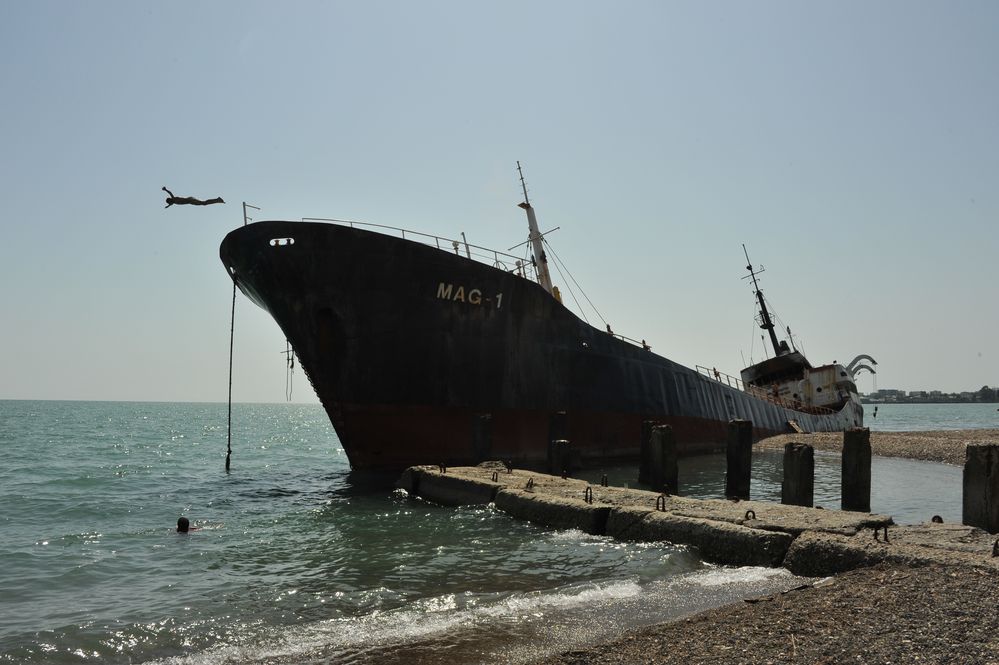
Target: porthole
point(281, 242)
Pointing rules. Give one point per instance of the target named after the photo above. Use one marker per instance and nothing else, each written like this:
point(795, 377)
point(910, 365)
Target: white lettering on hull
point(446, 291)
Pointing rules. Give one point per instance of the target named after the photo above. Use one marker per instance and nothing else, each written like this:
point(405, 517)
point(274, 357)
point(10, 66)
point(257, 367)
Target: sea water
point(296, 559)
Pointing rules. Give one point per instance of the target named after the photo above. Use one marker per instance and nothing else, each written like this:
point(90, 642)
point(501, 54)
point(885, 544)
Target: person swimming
point(184, 525)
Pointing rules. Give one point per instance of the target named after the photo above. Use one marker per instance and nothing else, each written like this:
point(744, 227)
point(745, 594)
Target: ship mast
point(540, 260)
point(767, 324)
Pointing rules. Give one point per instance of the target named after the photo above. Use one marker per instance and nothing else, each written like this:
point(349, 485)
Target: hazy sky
point(852, 146)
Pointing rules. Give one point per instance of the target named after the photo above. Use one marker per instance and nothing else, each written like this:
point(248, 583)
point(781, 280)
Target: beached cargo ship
point(430, 350)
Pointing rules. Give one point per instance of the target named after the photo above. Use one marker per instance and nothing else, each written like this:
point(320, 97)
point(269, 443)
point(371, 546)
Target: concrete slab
point(808, 541)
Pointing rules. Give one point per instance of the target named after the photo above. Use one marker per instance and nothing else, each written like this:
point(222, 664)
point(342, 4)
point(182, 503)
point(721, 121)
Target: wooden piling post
point(739, 456)
point(645, 453)
point(855, 481)
point(980, 503)
point(798, 488)
point(663, 471)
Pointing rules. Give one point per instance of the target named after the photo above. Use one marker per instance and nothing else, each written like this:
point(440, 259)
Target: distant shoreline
point(924, 401)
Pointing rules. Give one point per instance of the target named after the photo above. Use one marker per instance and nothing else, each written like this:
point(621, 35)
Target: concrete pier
point(807, 541)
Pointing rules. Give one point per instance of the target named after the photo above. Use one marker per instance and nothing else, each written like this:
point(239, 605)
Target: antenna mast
point(767, 324)
point(540, 260)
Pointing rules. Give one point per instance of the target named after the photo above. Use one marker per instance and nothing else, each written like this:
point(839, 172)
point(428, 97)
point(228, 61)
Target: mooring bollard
point(855, 479)
point(663, 457)
point(798, 488)
point(980, 503)
point(739, 458)
point(645, 452)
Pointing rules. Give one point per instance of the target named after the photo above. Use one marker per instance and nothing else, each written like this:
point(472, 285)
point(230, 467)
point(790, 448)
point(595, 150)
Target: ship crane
point(540, 259)
point(780, 348)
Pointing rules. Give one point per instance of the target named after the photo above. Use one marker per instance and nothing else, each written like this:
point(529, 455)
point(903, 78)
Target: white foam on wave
point(574, 536)
point(431, 617)
point(714, 577)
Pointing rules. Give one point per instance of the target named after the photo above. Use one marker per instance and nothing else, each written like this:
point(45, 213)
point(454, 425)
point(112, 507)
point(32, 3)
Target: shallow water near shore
point(929, 417)
point(298, 560)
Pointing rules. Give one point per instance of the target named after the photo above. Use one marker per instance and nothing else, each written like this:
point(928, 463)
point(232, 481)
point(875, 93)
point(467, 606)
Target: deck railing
point(495, 258)
point(761, 393)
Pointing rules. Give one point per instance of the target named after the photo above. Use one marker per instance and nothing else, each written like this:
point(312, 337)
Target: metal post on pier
point(664, 472)
point(562, 457)
point(980, 501)
point(558, 430)
point(798, 487)
point(739, 458)
point(482, 437)
point(645, 453)
point(855, 481)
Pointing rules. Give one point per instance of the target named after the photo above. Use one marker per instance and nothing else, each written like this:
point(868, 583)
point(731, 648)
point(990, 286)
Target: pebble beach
point(888, 613)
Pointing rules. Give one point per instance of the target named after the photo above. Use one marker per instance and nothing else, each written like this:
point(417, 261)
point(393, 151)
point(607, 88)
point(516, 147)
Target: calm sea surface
point(297, 560)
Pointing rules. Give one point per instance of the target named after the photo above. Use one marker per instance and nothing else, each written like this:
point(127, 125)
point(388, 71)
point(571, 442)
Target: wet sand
point(883, 614)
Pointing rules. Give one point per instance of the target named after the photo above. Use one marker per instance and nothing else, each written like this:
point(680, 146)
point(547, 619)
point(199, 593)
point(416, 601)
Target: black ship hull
point(422, 356)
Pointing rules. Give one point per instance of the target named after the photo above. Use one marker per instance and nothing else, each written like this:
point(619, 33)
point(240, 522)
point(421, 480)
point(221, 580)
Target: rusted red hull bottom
point(396, 437)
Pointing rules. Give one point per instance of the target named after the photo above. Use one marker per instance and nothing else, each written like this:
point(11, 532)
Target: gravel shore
point(883, 614)
point(940, 446)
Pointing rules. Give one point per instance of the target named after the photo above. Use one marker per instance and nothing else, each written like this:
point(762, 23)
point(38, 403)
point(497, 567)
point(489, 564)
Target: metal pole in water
point(232, 330)
point(232, 335)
